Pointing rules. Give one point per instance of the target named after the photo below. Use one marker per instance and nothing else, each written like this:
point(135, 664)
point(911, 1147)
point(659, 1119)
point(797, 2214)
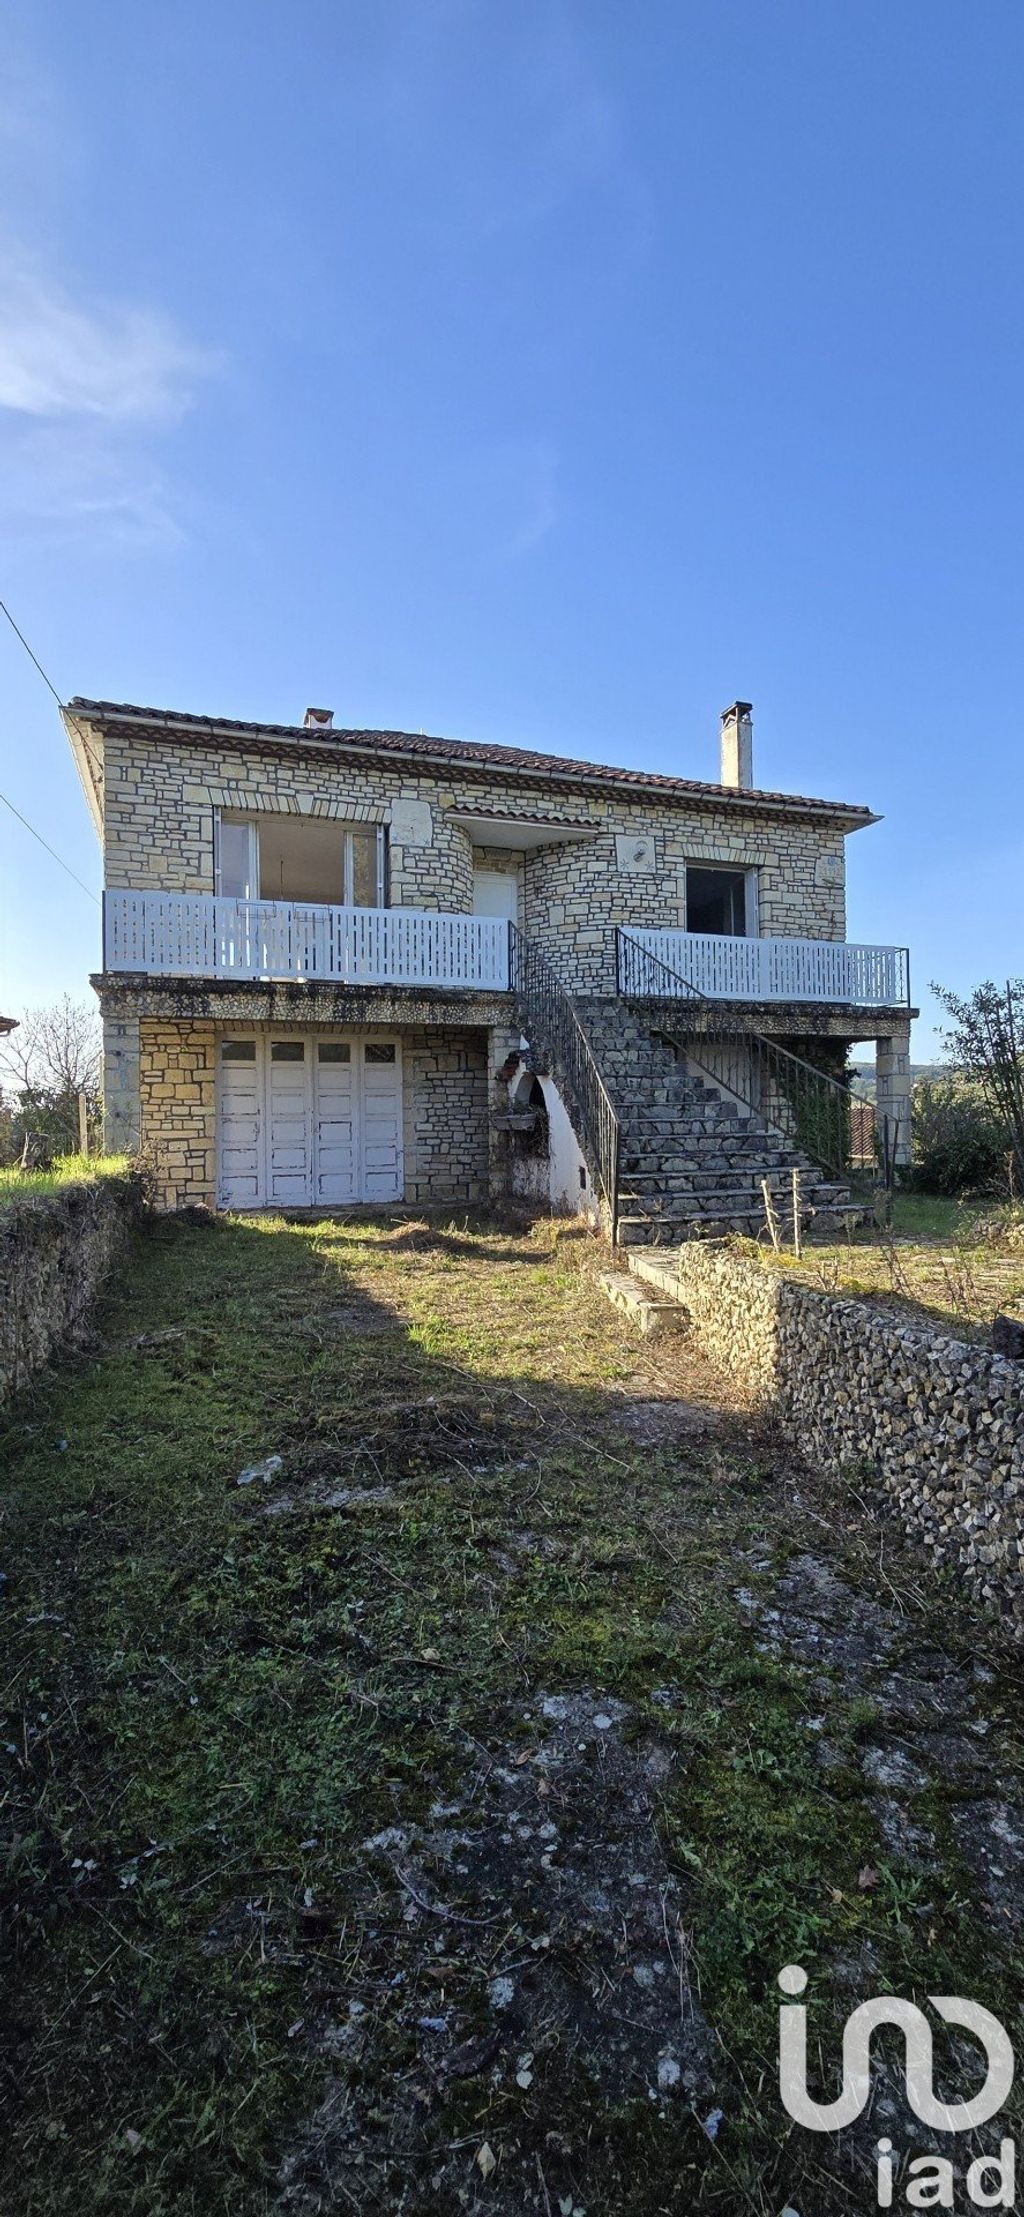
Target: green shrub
point(959, 1143)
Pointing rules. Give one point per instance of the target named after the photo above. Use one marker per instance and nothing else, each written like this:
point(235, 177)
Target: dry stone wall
point(938, 1422)
point(55, 1251)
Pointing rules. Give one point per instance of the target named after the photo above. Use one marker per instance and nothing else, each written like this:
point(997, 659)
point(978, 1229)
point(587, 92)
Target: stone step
point(648, 1314)
point(710, 1184)
point(774, 1163)
point(643, 1229)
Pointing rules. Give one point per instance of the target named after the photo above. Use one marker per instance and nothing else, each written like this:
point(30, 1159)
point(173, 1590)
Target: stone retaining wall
point(55, 1251)
point(938, 1422)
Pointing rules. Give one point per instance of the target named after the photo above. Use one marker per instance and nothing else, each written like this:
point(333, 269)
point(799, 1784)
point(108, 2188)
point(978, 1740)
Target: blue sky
point(547, 374)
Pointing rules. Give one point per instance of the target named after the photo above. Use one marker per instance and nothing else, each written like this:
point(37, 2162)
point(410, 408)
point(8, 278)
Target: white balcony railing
point(196, 935)
point(728, 969)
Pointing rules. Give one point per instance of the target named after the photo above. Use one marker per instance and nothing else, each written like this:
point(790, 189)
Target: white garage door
point(308, 1119)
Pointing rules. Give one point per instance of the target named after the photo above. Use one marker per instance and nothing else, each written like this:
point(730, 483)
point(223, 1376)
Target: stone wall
point(937, 1422)
point(162, 797)
point(577, 892)
point(445, 1101)
point(177, 1088)
point(55, 1251)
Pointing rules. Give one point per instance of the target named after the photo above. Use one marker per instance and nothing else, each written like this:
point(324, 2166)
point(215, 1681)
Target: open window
point(721, 900)
point(301, 859)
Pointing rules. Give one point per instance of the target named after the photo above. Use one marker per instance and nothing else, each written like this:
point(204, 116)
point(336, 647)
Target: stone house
point(354, 966)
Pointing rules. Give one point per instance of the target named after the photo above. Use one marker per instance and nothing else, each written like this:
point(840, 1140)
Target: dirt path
point(433, 1719)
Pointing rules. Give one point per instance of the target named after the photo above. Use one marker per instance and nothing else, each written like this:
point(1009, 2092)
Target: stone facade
point(576, 893)
point(177, 1092)
point(938, 1424)
point(162, 796)
point(445, 1104)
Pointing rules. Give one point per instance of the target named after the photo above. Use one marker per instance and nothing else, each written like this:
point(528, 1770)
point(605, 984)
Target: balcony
point(197, 935)
point(726, 968)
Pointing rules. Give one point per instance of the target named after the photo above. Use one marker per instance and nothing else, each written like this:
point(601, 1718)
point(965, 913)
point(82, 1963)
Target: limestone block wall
point(576, 893)
point(55, 1251)
point(937, 1422)
point(176, 1101)
point(162, 796)
point(161, 800)
point(444, 1110)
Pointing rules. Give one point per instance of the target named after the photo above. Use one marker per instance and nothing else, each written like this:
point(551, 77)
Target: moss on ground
point(217, 1694)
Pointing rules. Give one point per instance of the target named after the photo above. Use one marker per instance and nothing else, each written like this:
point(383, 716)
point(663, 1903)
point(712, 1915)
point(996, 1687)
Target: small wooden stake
point(770, 1213)
point(797, 1245)
point(83, 1125)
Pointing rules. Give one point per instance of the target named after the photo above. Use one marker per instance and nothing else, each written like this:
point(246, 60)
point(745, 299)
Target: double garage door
point(308, 1120)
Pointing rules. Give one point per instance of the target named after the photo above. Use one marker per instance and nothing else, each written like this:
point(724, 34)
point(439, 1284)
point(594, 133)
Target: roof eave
point(85, 763)
point(693, 793)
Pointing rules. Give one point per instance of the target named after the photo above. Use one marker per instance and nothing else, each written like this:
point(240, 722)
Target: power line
point(32, 658)
point(50, 850)
point(45, 843)
point(47, 681)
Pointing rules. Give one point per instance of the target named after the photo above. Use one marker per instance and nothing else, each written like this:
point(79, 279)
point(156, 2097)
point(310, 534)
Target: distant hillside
point(863, 1086)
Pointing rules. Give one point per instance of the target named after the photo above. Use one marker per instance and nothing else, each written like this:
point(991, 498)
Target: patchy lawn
point(17, 1184)
point(421, 1823)
point(938, 1262)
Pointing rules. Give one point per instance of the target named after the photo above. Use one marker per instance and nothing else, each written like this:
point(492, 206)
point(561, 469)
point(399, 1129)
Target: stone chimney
point(738, 747)
point(318, 719)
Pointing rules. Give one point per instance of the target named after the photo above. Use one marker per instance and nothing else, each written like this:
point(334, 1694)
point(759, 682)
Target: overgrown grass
point(67, 1170)
point(947, 1263)
point(210, 1706)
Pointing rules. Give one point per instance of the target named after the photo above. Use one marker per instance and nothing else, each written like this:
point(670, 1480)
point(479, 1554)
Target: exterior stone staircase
point(691, 1159)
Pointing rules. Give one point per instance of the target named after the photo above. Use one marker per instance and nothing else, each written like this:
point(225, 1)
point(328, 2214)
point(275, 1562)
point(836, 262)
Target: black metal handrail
point(554, 1027)
point(806, 1105)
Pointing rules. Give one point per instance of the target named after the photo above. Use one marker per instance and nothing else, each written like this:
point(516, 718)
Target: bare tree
point(52, 1058)
point(986, 1041)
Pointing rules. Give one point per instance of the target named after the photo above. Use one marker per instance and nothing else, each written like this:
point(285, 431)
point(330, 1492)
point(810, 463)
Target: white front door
point(496, 893)
point(310, 1118)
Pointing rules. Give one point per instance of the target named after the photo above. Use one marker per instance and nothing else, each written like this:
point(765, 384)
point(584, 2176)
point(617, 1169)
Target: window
point(301, 859)
point(721, 901)
point(287, 1050)
point(374, 1053)
point(334, 1050)
point(238, 1050)
point(237, 860)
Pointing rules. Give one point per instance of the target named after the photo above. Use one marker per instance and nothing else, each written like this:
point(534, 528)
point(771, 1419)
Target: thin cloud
point(87, 390)
point(70, 481)
point(59, 358)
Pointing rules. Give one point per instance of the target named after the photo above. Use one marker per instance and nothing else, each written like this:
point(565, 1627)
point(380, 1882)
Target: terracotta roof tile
point(124, 715)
